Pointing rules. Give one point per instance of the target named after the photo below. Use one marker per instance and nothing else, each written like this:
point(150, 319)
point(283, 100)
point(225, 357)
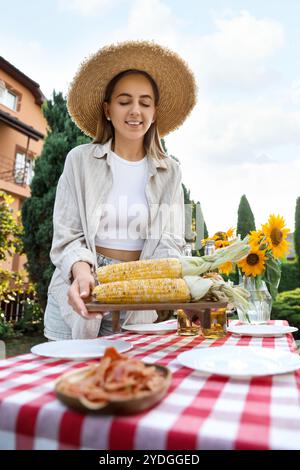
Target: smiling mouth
point(134, 123)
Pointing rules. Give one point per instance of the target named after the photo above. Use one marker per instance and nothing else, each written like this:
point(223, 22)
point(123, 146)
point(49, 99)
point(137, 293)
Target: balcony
point(15, 175)
point(20, 171)
point(14, 179)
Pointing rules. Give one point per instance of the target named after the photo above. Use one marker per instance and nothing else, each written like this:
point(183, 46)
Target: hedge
point(290, 276)
point(287, 307)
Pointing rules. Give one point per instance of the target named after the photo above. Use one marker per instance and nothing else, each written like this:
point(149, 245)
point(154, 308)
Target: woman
point(120, 197)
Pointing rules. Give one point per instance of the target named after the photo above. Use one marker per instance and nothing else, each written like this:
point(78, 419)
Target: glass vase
point(259, 302)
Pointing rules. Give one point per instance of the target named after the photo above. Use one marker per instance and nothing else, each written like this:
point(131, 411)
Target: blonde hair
point(105, 129)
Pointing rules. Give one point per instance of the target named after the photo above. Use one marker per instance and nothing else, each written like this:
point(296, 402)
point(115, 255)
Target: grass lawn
point(22, 345)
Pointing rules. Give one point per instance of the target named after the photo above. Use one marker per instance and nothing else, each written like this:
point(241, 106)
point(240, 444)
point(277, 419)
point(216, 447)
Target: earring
point(108, 118)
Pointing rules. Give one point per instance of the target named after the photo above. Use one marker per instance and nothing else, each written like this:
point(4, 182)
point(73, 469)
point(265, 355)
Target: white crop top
point(124, 221)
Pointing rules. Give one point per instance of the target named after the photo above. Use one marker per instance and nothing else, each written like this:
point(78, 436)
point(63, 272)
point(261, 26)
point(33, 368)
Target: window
point(7, 97)
point(24, 169)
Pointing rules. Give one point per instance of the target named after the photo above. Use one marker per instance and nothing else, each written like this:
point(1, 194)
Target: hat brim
point(174, 79)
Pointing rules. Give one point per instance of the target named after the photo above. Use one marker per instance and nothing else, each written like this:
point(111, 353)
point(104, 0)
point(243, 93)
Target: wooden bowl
point(144, 401)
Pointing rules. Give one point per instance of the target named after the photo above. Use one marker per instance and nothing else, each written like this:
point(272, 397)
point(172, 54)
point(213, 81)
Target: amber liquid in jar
point(188, 324)
point(218, 324)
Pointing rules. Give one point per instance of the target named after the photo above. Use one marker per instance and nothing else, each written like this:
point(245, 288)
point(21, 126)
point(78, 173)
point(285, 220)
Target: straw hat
point(175, 81)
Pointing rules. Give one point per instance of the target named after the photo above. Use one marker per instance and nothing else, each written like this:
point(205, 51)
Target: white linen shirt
point(126, 212)
point(81, 191)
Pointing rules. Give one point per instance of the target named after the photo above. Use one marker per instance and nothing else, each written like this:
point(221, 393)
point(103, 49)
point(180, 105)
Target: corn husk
point(198, 286)
point(217, 289)
point(195, 266)
point(236, 295)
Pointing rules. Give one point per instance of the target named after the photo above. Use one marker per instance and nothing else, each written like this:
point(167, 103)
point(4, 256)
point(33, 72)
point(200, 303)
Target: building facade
point(22, 132)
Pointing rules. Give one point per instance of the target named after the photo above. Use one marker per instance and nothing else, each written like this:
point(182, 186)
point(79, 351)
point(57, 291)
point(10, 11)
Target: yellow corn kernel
point(141, 291)
point(141, 269)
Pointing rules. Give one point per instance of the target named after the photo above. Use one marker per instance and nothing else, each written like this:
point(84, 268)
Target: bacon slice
point(115, 378)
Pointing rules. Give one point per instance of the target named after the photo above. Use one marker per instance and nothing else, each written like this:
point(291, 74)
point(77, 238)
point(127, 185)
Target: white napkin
point(134, 317)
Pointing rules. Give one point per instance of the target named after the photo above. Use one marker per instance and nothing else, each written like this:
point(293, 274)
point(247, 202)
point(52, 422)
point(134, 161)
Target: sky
point(243, 136)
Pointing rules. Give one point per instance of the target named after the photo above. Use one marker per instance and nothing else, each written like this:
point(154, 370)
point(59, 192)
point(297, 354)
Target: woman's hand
point(81, 290)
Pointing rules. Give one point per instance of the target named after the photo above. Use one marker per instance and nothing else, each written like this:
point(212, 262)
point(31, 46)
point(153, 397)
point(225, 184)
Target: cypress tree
point(205, 230)
point(201, 229)
point(245, 221)
point(297, 230)
point(190, 218)
point(186, 194)
point(163, 144)
point(37, 210)
point(198, 223)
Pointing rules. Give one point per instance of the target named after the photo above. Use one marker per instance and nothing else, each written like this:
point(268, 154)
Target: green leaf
point(272, 276)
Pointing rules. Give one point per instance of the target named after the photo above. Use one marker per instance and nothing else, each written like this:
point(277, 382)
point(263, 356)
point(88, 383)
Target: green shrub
point(32, 320)
point(30, 324)
point(13, 285)
point(287, 307)
point(290, 276)
point(6, 327)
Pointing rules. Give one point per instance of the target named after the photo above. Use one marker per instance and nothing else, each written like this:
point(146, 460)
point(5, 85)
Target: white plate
point(261, 330)
point(152, 328)
point(239, 361)
point(79, 348)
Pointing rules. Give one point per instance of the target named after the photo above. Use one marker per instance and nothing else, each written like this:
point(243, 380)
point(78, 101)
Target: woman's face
point(132, 108)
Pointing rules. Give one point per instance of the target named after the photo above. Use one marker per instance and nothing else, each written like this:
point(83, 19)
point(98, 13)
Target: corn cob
point(189, 289)
point(173, 268)
point(143, 269)
point(143, 291)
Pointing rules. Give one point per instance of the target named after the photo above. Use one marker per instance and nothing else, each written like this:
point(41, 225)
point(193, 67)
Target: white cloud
point(244, 36)
point(150, 19)
point(86, 7)
point(49, 72)
point(270, 188)
point(236, 55)
point(295, 92)
point(224, 134)
point(264, 158)
point(12, 49)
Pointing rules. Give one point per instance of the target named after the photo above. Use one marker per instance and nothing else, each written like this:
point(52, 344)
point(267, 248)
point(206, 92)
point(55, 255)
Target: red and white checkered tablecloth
point(199, 412)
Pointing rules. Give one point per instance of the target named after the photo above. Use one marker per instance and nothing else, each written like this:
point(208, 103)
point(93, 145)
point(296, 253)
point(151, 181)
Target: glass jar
point(188, 324)
point(209, 248)
point(188, 250)
point(260, 302)
point(218, 324)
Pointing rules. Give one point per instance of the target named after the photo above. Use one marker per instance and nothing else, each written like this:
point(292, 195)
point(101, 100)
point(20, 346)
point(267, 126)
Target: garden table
point(200, 411)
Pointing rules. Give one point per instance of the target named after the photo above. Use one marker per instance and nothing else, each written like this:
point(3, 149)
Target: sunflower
point(220, 236)
point(258, 238)
point(221, 239)
point(276, 235)
point(254, 263)
point(221, 243)
point(230, 233)
point(226, 268)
